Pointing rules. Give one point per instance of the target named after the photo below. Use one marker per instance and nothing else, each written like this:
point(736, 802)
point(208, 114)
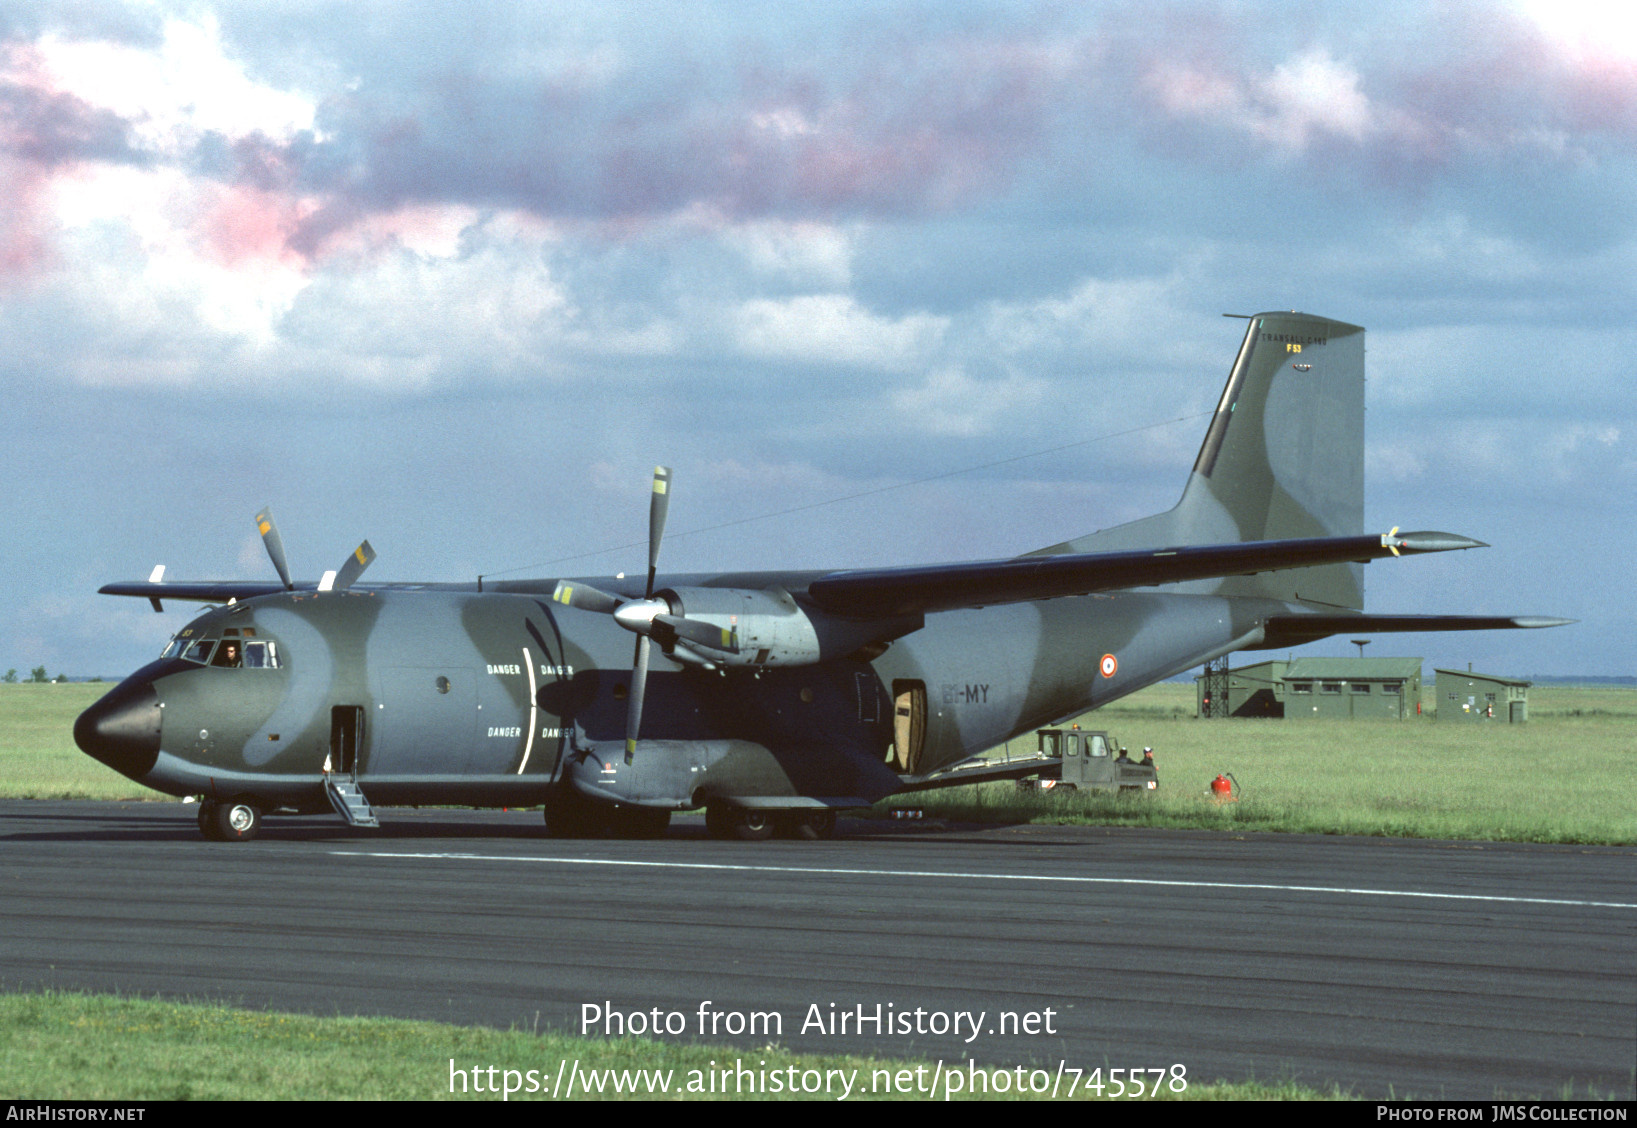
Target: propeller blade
point(659, 505)
point(275, 545)
point(643, 623)
point(362, 557)
point(585, 597)
point(639, 684)
point(699, 633)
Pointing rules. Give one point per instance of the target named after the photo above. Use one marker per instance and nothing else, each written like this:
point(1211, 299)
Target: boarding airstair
point(348, 800)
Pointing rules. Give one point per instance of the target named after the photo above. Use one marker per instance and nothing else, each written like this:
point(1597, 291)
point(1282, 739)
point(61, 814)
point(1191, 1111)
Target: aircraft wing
point(204, 591)
point(219, 591)
point(887, 592)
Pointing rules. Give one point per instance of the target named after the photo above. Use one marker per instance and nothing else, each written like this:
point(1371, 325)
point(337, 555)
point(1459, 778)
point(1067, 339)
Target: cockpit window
point(261, 655)
point(229, 654)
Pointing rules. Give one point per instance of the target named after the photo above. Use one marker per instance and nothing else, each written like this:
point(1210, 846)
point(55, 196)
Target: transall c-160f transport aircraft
point(770, 699)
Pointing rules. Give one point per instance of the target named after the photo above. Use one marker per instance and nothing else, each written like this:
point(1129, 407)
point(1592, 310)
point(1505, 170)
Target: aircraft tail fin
point(1283, 458)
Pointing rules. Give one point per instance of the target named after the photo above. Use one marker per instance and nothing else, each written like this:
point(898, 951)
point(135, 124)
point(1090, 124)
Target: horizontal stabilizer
point(883, 592)
point(1293, 630)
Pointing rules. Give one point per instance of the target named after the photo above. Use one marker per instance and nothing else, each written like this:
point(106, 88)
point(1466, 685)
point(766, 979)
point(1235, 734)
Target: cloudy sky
point(911, 282)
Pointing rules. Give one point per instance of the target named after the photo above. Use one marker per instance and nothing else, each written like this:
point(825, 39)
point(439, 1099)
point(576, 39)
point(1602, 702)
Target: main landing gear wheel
point(747, 824)
point(207, 820)
point(233, 821)
point(811, 825)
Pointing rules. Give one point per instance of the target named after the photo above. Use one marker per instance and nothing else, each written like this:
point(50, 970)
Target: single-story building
point(1387, 689)
point(1335, 688)
point(1466, 696)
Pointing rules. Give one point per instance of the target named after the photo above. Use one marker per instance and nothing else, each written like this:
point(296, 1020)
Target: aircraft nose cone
point(122, 729)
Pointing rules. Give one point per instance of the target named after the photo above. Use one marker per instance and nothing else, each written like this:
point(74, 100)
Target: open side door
point(346, 737)
point(908, 724)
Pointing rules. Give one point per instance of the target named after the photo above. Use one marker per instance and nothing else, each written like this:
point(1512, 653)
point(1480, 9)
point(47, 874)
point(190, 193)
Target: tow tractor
point(1089, 760)
point(1068, 758)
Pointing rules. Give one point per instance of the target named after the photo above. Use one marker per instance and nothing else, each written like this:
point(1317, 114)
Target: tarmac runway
point(1436, 969)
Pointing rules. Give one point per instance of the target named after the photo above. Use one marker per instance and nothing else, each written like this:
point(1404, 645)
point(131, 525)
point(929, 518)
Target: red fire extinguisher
point(1224, 788)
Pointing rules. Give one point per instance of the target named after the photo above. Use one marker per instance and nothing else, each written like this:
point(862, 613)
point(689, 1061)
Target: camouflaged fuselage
point(480, 698)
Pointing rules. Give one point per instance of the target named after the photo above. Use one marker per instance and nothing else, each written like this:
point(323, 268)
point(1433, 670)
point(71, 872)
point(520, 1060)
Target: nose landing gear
point(236, 820)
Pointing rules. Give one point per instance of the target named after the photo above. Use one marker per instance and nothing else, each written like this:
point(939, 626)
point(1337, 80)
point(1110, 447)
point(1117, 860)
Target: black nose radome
point(122, 729)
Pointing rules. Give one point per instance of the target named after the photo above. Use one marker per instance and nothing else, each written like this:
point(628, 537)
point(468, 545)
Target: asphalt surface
point(1451, 970)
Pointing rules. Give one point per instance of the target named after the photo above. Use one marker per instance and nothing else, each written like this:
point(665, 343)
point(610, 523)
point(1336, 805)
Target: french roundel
point(1110, 664)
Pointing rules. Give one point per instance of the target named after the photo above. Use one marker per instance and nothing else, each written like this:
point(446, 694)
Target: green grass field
point(98, 1047)
point(38, 758)
point(1566, 776)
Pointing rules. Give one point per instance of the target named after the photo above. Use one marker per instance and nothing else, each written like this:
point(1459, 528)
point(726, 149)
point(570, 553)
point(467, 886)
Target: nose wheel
point(234, 821)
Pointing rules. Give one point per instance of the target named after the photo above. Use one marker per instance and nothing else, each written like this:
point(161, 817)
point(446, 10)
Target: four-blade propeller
point(650, 619)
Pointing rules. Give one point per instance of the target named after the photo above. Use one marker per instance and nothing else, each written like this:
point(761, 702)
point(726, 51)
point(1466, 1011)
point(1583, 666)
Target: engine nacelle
point(772, 628)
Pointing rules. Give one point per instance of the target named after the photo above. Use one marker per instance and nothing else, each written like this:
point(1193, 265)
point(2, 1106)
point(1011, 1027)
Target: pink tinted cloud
point(25, 220)
point(44, 134)
point(1481, 82)
point(1603, 93)
point(924, 127)
point(915, 127)
point(244, 224)
point(1514, 77)
point(920, 124)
